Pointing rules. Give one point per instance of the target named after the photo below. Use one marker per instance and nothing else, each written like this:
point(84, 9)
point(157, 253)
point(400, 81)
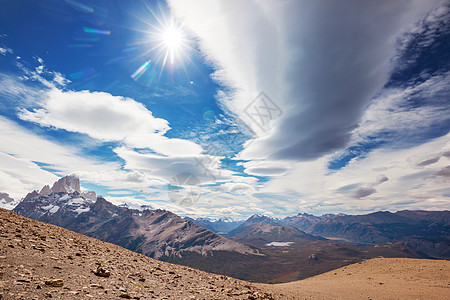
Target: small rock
point(54, 282)
point(312, 257)
point(125, 296)
point(102, 272)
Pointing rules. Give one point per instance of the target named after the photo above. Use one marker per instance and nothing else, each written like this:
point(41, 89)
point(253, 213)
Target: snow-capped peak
point(6, 201)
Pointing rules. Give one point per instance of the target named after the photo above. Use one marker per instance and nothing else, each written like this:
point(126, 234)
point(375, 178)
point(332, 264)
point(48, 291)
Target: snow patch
point(280, 244)
point(54, 209)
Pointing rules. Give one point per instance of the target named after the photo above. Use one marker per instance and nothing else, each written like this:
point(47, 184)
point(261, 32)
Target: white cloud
point(4, 51)
point(396, 114)
point(320, 61)
point(165, 168)
point(108, 118)
point(22, 153)
point(386, 179)
point(265, 168)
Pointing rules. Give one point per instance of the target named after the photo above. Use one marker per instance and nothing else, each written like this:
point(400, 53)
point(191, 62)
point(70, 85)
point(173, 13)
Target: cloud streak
point(320, 61)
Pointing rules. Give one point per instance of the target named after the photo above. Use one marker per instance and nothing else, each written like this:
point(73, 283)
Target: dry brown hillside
point(40, 261)
point(379, 278)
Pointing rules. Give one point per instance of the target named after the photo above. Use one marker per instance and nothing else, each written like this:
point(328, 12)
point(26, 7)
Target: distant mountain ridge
point(260, 230)
point(255, 220)
point(220, 226)
point(303, 221)
point(151, 232)
point(426, 231)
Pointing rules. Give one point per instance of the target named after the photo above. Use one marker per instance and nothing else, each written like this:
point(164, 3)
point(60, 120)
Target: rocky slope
point(41, 261)
point(151, 232)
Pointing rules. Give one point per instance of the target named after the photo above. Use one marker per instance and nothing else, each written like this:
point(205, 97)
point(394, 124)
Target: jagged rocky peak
point(90, 195)
point(67, 184)
point(31, 195)
point(45, 191)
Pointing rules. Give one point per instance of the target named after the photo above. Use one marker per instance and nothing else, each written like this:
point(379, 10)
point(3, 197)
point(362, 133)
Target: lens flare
point(164, 42)
point(96, 31)
point(141, 70)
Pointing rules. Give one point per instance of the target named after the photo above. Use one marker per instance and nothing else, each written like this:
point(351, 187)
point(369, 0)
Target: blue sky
point(273, 107)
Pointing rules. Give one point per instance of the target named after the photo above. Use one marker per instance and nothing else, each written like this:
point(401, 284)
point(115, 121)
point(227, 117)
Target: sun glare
point(169, 47)
point(173, 41)
point(172, 38)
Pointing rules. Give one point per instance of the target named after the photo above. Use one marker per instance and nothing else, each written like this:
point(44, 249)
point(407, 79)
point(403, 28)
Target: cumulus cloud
point(165, 168)
point(320, 61)
point(108, 118)
point(23, 154)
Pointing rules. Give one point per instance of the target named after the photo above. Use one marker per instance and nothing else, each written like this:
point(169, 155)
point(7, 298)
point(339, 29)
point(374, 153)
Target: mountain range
point(42, 261)
point(261, 231)
point(424, 231)
point(261, 248)
point(151, 232)
point(221, 226)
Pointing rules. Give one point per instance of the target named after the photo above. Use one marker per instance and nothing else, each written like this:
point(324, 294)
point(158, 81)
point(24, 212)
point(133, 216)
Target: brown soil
point(378, 278)
point(40, 261)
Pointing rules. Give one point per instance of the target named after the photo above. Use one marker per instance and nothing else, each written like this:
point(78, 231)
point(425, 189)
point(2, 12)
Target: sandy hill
point(40, 261)
point(378, 278)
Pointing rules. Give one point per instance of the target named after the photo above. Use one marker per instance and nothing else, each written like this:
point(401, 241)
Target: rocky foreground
point(40, 261)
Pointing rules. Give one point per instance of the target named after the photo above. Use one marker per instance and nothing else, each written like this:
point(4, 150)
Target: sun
point(173, 41)
point(168, 46)
point(172, 37)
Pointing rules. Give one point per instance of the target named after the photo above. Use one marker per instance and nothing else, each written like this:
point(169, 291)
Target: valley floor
point(40, 261)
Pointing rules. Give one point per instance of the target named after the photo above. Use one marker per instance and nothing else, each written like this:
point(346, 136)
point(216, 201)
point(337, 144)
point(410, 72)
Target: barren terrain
point(379, 278)
point(39, 261)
